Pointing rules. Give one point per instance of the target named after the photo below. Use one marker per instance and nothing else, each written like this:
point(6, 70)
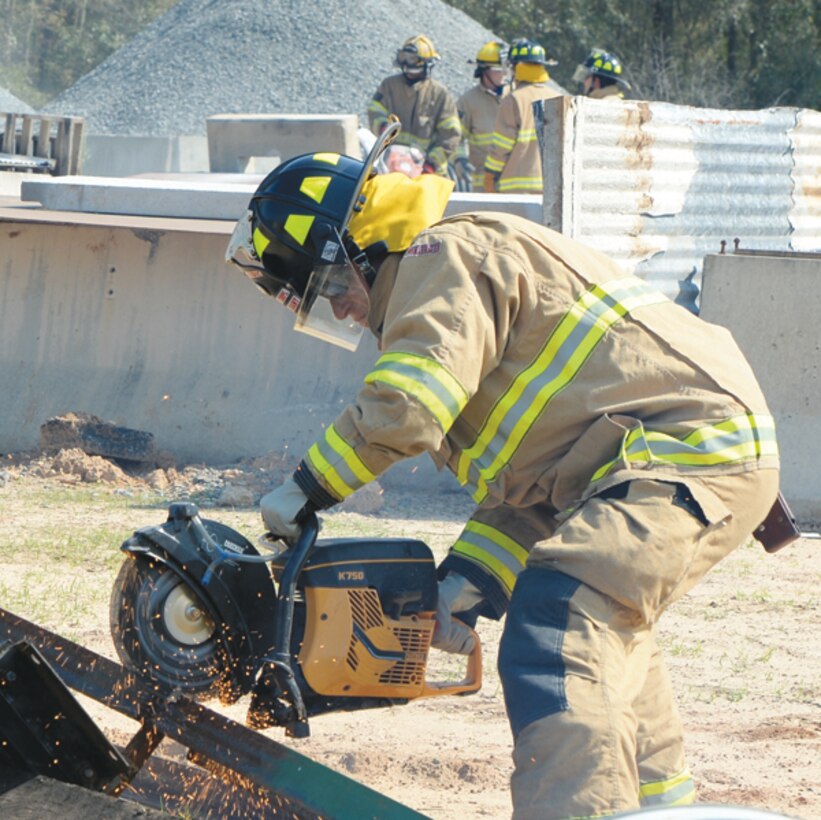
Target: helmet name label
point(330, 251)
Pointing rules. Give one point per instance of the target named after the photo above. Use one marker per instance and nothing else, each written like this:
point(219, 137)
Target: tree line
point(713, 53)
point(744, 54)
point(47, 45)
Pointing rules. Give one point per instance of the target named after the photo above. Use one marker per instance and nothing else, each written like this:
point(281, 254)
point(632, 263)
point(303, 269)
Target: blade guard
point(183, 545)
point(470, 684)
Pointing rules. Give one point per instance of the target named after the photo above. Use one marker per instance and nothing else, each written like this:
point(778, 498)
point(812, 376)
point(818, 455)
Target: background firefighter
point(514, 163)
point(478, 108)
point(616, 446)
point(600, 76)
point(426, 109)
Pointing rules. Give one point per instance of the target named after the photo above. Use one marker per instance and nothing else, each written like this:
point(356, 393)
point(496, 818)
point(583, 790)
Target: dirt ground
point(743, 647)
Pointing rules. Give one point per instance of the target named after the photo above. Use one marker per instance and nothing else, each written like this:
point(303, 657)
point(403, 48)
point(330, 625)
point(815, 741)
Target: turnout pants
point(590, 704)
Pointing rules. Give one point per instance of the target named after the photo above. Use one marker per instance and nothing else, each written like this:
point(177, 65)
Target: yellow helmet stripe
point(298, 225)
point(327, 156)
point(260, 241)
point(315, 187)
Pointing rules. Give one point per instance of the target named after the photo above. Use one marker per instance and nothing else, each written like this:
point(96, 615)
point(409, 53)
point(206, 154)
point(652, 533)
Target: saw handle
point(472, 682)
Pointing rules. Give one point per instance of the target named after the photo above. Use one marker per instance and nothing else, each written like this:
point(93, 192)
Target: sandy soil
point(743, 649)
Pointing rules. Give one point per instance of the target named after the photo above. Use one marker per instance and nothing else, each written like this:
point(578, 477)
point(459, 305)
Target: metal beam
point(288, 780)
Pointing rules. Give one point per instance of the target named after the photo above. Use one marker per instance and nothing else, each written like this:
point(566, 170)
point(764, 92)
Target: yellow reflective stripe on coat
point(376, 107)
point(427, 381)
point(526, 135)
point(678, 790)
point(738, 438)
point(498, 553)
point(494, 165)
point(531, 183)
point(449, 122)
point(563, 355)
point(503, 142)
point(336, 462)
point(480, 139)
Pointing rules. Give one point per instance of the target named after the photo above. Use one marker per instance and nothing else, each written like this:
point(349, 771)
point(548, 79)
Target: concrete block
point(237, 142)
point(184, 199)
point(769, 303)
point(209, 196)
point(527, 205)
point(122, 156)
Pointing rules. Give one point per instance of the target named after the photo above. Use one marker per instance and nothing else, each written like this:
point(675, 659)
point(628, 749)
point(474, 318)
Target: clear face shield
point(335, 304)
point(336, 301)
point(240, 251)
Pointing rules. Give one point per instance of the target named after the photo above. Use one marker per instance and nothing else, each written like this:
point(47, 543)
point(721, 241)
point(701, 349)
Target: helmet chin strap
point(367, 260)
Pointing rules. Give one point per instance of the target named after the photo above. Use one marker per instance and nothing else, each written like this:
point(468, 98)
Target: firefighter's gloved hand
point(464, 167)
point(281, 508)
point(463, 170)
point(489, 183)
point(456, 594)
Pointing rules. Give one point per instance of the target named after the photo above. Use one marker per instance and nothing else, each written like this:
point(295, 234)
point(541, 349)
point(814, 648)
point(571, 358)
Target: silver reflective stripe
point(678, 790)
point(565, 352)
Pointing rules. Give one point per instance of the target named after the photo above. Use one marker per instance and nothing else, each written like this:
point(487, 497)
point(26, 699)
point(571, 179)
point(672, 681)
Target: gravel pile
point(206, 57)
point(9, 104)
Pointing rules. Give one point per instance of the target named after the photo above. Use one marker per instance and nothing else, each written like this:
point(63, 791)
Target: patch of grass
point(684, 649)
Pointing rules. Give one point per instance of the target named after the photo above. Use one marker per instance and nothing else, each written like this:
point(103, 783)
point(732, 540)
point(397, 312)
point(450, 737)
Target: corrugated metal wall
point(657, 186)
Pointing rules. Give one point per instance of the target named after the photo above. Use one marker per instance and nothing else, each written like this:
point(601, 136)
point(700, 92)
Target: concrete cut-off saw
point(317, 626)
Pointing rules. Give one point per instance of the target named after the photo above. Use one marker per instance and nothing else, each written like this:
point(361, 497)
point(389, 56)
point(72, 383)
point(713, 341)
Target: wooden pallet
point(35, 142)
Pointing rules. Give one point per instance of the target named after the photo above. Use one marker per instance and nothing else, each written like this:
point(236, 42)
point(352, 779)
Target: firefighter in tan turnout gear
point(514, 163)
point(426, 109)
point(616, 446)
point(479, 106)
point(600, 76)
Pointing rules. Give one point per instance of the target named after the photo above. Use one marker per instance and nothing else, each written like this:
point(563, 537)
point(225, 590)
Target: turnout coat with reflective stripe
point(514, 151)
point(539, 373)
point(477, 111)
point(427, 111)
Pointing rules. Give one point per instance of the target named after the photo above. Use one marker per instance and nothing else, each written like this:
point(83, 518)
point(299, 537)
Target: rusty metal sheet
point(658, 186)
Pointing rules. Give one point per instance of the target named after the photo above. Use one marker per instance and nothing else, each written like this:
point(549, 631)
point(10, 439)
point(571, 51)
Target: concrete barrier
point(209, 196)
point(769, 302)
point(240, 142)
point(121, 156)
point(145, 325)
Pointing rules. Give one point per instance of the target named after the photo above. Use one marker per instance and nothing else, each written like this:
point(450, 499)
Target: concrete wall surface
point(122, 156)
point(141, 322)
point(769, 304)
point(237, 141)
point(151, 329)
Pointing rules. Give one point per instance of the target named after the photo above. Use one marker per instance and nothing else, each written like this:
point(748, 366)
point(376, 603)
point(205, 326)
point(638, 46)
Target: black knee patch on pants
point(531, 666)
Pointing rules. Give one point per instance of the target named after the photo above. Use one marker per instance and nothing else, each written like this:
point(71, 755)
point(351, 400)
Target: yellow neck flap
point(531, 73)
point(397, 208)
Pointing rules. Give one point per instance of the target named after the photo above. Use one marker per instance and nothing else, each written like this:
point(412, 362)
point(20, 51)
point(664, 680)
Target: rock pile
point(206, 57)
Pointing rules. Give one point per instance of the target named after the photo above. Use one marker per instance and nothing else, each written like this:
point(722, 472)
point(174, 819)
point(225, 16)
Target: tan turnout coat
point(541, 374)
point(427, 111)
point(514, 152)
